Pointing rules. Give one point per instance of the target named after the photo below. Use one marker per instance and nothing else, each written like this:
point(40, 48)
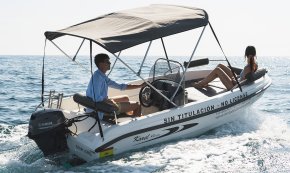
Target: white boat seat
point(194, 94)
point(213, 88)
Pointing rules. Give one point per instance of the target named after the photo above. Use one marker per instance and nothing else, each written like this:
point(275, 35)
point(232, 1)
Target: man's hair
point(101, 58)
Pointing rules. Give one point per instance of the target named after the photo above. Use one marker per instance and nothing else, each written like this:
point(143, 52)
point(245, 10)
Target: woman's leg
point(226, 69)
point(216, 73)
point(226, 80)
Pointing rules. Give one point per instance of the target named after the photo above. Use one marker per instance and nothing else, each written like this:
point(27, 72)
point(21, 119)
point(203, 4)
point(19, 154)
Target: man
point(98, 89)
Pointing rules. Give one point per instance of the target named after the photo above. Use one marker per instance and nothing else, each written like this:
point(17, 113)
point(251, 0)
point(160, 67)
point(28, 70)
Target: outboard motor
point(48, 130)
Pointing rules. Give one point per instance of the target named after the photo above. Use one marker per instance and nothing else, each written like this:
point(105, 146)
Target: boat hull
point(190, 120)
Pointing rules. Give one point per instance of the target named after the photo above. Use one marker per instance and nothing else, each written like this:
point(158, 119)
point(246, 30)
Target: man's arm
point(131, 86)
point(115, 85)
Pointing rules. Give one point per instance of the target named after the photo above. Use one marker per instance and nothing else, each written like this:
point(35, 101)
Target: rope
point(42, 80)
point(97, 116)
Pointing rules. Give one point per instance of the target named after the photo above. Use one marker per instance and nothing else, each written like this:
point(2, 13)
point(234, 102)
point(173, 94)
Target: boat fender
point(96, 106)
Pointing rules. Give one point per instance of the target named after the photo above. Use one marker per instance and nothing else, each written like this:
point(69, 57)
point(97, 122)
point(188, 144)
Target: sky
point(238, 23)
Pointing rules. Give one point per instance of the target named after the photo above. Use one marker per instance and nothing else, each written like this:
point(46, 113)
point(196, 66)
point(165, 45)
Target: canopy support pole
point(195, 47)
point(226, 58)
point(74, 58)
point(183, 75)
point(139, 72)
point(145, 80)
point(68, 56)
point(166, 54)
point(114, 63)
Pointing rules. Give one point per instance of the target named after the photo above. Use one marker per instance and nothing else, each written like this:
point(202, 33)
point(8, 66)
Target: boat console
point(150, 97)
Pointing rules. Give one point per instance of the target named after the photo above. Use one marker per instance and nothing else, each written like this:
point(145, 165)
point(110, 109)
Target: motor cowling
point(48, 130)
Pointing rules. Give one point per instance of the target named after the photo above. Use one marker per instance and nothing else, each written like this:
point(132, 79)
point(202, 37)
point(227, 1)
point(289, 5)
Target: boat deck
point(193, 94)
point(214, 88)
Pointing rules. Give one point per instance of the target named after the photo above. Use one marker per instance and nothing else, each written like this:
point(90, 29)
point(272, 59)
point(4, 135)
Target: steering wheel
point(146, 93)
point(145, 96)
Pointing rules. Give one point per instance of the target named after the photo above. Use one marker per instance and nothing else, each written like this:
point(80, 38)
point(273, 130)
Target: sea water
point(259, 141)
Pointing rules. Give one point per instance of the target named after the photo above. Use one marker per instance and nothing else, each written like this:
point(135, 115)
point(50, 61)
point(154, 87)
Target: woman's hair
point(251, 50)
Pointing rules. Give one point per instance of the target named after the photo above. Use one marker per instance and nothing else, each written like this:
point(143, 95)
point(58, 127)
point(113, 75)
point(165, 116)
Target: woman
point(225, 74)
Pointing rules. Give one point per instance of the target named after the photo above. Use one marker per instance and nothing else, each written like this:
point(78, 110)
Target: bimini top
point(121, 30)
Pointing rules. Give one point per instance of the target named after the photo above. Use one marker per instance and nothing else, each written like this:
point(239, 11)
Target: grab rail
point(54, 96)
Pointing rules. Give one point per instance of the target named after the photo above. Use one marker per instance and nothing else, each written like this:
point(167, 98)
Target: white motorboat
point(171, 107)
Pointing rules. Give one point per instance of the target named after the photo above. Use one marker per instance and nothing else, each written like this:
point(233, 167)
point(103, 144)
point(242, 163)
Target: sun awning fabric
point(121, 30)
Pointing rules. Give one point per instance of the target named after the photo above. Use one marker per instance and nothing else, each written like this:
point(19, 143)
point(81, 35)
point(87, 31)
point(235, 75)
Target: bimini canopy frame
point(121, 30)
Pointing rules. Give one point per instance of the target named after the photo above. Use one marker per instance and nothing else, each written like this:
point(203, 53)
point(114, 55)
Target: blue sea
point(258, 141)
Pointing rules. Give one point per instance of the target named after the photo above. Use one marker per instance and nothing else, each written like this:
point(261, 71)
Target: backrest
point(96, 106)
point(256, 75)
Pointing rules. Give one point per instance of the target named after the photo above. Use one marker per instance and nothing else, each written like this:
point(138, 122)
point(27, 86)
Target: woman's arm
point(247, 69)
